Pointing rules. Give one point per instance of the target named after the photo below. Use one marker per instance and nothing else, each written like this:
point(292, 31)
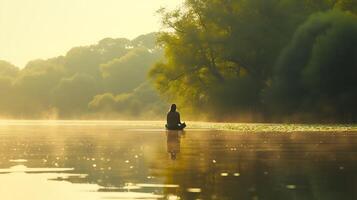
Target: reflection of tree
point(226, 165)
point(264, 166)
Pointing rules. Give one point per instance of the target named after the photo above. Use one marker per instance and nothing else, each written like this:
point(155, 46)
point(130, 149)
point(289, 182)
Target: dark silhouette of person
point(173, 119)
point(173, 143)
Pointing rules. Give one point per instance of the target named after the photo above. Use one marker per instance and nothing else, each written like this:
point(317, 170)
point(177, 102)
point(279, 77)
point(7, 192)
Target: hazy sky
point(31, 29)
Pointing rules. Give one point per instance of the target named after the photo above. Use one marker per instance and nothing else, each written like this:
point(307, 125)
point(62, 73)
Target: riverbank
point(241, 127)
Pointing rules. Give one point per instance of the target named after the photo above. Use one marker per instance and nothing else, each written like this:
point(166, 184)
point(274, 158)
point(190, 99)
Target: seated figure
point(173, 119)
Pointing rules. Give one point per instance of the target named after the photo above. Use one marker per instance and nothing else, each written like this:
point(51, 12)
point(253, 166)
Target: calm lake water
point(134, 160)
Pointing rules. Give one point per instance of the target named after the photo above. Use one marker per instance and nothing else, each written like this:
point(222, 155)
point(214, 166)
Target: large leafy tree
point(220, 53)
point(316, 73)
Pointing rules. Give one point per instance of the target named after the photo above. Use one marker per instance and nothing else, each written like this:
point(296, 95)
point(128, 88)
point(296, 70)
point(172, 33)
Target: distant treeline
point(261, 60)
point(242, 60)
point(106, 80)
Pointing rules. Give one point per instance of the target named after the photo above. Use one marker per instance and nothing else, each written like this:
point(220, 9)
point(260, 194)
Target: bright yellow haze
point(45, 28)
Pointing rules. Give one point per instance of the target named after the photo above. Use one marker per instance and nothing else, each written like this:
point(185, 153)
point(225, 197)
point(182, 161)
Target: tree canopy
point(65, 86)
point(316, 72)
point(248, 60)
point(224, 57)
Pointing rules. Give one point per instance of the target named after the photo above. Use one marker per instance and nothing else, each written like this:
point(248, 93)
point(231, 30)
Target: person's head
point(173, 108)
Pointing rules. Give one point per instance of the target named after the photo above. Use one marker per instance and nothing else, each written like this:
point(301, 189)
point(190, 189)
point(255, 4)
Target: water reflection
point(173, 143)
point(75, 162)
point(24, 169)
point(45, 184)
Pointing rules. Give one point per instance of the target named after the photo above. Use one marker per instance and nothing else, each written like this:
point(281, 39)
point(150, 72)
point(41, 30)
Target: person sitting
point(173, 119)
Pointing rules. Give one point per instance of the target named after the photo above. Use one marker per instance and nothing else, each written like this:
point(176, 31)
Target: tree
point(72, 94)
point(125, 73)
point(220, 53)
point(315, 74)
point(8, 70)
point(347, 5)
point(33, 86)
point(143, 101)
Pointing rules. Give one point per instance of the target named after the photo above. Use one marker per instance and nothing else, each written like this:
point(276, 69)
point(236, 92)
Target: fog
point(104, 80)
point(251, 61)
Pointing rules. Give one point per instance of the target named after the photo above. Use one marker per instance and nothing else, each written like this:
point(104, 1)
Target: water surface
point(42, 160)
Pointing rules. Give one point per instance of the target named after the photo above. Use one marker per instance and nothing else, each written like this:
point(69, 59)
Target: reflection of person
point(173, 119)
point(173, 143)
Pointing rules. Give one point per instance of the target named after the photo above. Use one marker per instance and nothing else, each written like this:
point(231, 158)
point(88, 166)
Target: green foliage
point(32, 87)
point(141, 102)
point(218, 59)
point(148, 41)
point(86, 59)
point(316, 72)
point(347, 5)
point(220, 54)
point(6, 93)
point(71, 94)
point(125, 73)
point(64, 86)
point(8, 72)
point(7, 69)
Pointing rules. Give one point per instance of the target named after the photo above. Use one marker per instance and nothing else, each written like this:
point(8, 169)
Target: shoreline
point(221, 126)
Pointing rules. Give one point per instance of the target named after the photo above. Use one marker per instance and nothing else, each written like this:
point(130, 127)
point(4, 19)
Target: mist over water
point(140, 160)
point(249, 61)
point(224, 62)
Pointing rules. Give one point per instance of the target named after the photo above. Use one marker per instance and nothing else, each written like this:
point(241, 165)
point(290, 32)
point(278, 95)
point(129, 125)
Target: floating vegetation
point(266, 127)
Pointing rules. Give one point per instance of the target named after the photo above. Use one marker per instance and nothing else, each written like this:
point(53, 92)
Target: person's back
point(173, 119)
